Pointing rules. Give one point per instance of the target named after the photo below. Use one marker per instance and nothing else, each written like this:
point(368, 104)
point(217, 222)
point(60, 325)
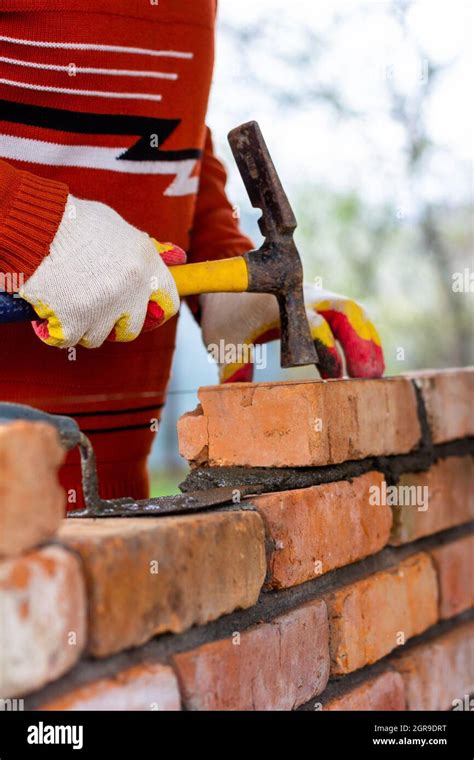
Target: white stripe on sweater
point(92, 157)
point(72, 69)
point(92, 46)
point(87, 93)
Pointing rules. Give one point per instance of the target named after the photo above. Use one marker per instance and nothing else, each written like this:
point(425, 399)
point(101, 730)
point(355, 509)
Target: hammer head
point(276, 266)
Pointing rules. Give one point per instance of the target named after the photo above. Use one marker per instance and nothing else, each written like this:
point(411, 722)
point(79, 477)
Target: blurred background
point(367, 111)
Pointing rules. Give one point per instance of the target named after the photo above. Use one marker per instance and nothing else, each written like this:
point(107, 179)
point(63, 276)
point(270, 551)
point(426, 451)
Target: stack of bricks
point(345, 584)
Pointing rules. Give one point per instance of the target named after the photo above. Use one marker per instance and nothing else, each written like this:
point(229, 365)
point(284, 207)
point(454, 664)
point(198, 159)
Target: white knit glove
point(98, 279)
point(238, 321)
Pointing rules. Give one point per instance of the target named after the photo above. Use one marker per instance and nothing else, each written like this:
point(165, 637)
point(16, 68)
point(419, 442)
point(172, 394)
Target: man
point(103, 144)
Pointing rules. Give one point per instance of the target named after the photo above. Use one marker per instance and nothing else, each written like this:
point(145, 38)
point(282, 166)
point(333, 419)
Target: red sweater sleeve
point(31, 209)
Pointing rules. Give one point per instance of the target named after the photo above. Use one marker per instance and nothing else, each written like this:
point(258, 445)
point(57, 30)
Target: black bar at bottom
point(378, 734)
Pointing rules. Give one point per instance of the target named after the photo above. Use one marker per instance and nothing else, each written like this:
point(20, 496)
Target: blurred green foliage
point(373, 255)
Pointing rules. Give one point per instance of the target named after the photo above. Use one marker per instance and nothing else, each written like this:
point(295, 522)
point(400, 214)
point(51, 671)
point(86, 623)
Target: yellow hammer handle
point(222, 276)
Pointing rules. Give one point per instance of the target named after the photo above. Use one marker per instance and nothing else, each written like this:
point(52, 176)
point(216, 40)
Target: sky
point(311, 143)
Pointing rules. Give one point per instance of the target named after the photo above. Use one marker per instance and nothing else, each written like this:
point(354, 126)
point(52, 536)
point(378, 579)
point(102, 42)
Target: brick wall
point(345, 585)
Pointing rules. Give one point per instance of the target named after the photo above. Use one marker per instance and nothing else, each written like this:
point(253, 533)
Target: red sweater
point(106, 101)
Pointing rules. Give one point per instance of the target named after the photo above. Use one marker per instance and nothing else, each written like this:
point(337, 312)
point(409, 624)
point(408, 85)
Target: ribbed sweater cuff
point(31, 209)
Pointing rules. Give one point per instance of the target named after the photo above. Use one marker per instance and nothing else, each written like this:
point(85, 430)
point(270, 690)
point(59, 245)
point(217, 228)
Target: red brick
point(276, 666)
point(143, 687)
point(454, 565)
point(439, 672)
point(314, 530)
point(370, 617)
point(32, 503)
point(293, 424)
point(43, 619)
point(448, 395)
point(382, 692)
point(208, 565)
point(450, 484)
point(193, 436)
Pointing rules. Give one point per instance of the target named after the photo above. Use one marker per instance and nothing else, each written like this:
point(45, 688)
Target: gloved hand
point(102, 278)
point(250, 318)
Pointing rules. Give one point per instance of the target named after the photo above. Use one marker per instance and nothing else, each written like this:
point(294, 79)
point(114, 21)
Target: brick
point(314, 530)
point(370, 617)
point(438, 672)
point(43, 619)
point(454, 565)
point(448, 395)
point(276, 666)
point(193, 436)
point(147, 576)
point(450, 489)
point(381, 692)
point(142, 687)
point(297, 424)
point(32, 503)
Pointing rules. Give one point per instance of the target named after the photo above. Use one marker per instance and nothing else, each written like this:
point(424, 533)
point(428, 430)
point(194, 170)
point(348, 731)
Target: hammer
point(273, 268)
